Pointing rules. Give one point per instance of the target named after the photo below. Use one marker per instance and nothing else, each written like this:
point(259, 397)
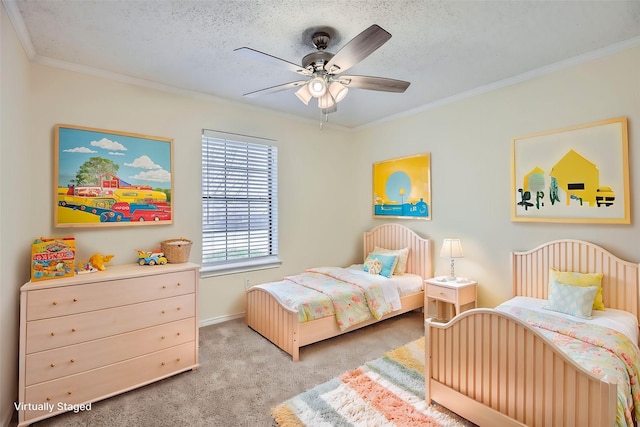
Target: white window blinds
point(239, 201)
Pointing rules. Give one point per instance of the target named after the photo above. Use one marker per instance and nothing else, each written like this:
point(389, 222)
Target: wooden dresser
point(92, 336)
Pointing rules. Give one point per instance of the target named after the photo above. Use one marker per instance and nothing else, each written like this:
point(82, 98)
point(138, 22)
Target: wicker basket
point(176, 250)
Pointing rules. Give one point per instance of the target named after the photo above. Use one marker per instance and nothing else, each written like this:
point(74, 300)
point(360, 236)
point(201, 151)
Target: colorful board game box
point(52, 258)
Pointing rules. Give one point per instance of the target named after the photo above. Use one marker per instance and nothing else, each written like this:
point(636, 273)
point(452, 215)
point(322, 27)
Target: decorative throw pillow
point(579, 279)
point(383, 264)
point(574, 300)
point(402, 254)
point(373, 266)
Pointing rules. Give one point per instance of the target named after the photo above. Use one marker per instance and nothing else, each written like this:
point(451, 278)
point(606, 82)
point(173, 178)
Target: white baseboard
point(214, 320)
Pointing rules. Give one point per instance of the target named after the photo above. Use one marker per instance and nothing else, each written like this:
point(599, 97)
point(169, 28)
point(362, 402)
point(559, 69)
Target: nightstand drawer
point(441, 293)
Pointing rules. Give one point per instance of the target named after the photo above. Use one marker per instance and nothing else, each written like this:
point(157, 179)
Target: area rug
point(388, 391)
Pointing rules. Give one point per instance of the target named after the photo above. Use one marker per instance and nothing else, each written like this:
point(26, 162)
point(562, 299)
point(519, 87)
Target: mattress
point(618, 320)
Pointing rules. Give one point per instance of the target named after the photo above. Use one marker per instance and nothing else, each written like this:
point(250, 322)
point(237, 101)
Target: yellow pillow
point(579, 279)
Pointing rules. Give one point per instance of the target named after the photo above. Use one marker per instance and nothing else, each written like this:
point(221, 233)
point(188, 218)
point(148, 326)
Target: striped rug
point(388, 391)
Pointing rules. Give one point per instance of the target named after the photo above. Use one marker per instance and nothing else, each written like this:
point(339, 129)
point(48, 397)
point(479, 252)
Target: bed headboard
point(620, 282)
point(396, 236)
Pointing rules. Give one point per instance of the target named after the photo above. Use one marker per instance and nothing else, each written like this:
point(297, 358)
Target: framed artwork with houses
point(402, 187)
point(105, 178)
point(578, 174)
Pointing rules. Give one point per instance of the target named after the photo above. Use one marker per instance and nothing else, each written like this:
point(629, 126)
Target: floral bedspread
point(351, 297)
point(603, 351)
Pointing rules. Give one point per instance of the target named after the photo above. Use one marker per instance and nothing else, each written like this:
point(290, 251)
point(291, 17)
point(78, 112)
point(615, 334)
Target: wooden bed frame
point(494, 369)
point(279, 324)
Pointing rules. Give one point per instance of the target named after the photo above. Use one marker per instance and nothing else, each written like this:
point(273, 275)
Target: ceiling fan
point(322, 70)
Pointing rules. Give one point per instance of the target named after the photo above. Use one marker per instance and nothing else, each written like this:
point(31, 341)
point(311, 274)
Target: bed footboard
point(269, 318)
point(494, 369)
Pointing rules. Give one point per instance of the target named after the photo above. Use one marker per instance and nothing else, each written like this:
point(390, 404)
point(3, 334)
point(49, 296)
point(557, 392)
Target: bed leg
point(427, 362)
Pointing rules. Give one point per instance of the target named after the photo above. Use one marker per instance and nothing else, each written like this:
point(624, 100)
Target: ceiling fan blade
point(261, 56)
point(375, 83)
point(274, 89)
point(361, 46)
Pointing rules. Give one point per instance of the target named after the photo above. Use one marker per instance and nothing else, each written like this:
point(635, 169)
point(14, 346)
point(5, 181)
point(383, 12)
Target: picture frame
point(106, 178)
point(578, 174)
point(402, 187)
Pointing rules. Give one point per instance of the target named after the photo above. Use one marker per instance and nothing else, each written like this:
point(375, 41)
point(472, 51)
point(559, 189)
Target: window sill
point(240, 267)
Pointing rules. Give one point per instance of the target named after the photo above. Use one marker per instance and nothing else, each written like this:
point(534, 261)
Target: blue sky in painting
point(142, 161)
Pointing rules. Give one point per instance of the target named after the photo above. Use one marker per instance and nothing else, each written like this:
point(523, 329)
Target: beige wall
point(16, 178)
point(325, 176)
point(470, 143)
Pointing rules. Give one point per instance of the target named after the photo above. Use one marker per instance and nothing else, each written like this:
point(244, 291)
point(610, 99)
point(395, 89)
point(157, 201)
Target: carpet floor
point(386, 392)
point(241, 377)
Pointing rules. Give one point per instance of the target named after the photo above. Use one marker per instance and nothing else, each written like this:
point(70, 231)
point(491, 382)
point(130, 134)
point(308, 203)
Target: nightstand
point(442, 295)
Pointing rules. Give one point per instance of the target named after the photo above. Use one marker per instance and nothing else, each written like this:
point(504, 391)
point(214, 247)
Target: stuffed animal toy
point(98, 260)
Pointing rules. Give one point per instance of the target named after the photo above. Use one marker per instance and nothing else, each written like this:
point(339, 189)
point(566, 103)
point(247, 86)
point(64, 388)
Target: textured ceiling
point(444, 48)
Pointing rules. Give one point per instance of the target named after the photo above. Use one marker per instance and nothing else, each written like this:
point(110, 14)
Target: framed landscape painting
point(578, 174)
point(104, 178)
point(402, 187)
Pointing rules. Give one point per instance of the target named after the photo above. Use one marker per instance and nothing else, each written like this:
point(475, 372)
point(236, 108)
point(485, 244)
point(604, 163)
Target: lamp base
point(451, 278)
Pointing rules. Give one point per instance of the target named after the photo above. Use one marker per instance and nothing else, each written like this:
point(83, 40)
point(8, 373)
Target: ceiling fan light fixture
point(317, 87)
point(326, 101)
point(338, 91)
point(303, 94)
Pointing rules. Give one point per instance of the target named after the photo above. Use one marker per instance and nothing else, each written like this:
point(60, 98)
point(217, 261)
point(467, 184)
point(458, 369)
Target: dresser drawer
point(442, 293)
point(57, 332)
point(62, 301)
point(102, 382)
point(51, 364)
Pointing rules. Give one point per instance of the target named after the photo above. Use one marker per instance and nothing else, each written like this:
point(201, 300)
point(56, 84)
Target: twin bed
point(519, 364)
point(276, 311)
point(515, 365)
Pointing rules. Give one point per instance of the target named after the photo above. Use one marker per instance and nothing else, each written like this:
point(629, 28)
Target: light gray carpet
point(241, 377)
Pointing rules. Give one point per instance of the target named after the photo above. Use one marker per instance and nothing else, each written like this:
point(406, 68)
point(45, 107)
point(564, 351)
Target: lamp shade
point(303, 94)
point(326, 101)
point(338, 91)
point(451, 248)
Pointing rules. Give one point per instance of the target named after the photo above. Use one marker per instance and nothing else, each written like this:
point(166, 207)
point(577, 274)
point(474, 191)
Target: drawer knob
point(178, 308)
point(178, 333)
point(164, 286)
point(162, 311)
point(441, 293)
point(69, 393)
point(162, 337)
point(55, 303)
point(52, 365)
point(71, 361)
point(48, 399)
point(178, 359)
point(178, 284)
point(75, 300)
point(162, 363)
point(52, 333)
point(73, 329)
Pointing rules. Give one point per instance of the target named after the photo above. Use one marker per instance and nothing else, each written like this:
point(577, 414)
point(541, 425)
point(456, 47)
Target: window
point(239, 203)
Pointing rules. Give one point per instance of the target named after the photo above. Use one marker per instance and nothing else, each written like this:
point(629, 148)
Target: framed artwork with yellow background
point(578, 174)
point(402, 187)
